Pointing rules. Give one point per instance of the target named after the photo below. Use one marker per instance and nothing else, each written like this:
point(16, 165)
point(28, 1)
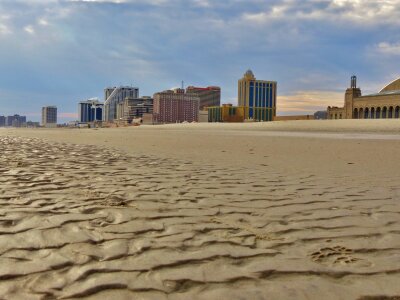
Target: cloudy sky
point(57, 52)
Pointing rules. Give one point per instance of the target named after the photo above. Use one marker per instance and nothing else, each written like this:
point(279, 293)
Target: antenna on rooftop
point(353, 82)
point(183, 85)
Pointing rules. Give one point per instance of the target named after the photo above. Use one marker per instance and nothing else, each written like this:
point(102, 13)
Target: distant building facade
point(259, 96)
point(49, 116)
point(227, 113)
point(134, 108)
point(15, 121)
point(320, 115)
point(115, 96)
point(90, 111)
point(382, 105)
point(208, 96)
point(2, 121)
point(175, 106)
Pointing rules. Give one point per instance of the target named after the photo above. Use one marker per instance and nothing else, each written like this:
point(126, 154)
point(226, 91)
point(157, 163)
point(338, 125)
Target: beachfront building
point(113, 96)
point(90, 111)
point(2, 121)
point(15, 121)
point(259, 96)
point(382, 105)
point(175, 106)
point(209, 96)
point(49, 116)
point(227, 113)
point(134, 108)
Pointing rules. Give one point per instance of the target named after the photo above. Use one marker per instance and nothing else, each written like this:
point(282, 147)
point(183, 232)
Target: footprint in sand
point(336, 255)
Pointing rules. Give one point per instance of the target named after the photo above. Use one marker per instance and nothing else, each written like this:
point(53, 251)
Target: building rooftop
point(384, 93)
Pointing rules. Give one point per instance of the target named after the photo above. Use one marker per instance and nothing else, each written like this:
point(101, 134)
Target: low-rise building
point(227, 113)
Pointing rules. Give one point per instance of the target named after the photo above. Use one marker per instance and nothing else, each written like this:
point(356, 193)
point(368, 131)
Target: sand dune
point(124, 222)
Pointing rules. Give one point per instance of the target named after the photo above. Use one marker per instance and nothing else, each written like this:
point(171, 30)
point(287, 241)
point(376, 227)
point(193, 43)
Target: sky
point(59, 52)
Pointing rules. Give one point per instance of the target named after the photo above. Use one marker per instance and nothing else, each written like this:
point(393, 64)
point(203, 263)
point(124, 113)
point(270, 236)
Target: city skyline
point(59, 52)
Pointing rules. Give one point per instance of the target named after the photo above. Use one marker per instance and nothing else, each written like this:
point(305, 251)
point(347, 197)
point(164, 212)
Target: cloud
point(4, 30)
point(308, 46)
point(29, 29)
point(389, 48)
point(43, 22)
point(309, 101)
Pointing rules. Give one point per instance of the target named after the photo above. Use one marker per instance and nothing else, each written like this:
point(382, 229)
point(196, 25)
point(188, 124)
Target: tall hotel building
point(209, 96)
point(258, 96)
point(175, 107)
point(113, 97)
point(49, 116)
point(90, 111)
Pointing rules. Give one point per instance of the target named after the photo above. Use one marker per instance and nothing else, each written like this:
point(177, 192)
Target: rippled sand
point(112, 223)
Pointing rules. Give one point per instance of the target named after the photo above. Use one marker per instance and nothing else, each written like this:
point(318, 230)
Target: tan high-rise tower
point(258, 97)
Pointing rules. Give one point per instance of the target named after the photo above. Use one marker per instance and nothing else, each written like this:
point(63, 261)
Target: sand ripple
point(80, 221)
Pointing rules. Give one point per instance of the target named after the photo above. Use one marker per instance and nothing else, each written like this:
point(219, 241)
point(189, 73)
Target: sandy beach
point(281, 210)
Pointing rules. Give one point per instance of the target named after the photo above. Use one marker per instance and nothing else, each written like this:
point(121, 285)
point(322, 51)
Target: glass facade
point(258, 96)
point(116, 97)
point(90, 111)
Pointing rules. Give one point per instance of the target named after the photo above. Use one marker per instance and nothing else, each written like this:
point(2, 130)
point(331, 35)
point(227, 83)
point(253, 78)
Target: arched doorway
point(372, 112)
point(390, 112)
point(366, 113)
point(384, 113)
point(378, 113)
point(397, 112)
point(361, 113)
point(355, 113)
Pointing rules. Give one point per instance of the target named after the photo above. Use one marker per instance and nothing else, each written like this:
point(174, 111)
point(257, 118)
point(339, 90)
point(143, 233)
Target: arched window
point(372, 112)
point(355, 113)
point(366, 113)
point(397, 112)
point(361, 113)
point(390, 112)
point(378, 113)
point(384, 113)
point(335, 116)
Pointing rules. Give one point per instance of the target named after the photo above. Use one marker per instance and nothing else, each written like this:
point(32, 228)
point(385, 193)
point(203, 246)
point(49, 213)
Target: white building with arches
point(382, 105)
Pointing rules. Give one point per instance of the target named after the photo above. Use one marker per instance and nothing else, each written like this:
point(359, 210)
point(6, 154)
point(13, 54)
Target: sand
point(284, 210)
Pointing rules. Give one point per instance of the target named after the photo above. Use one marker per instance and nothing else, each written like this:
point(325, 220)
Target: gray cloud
point(63, 51)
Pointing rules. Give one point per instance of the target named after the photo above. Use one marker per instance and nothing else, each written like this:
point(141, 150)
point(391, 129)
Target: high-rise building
point(259, 96)
point(90, 111)
point(2, 121)
point(175, 106)
point(49, 116)
point(115, 96)
point(15, 121)
point(209, 96)
point(134, 108)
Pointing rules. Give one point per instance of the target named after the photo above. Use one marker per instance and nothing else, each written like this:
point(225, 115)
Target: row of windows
point(377, 113)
